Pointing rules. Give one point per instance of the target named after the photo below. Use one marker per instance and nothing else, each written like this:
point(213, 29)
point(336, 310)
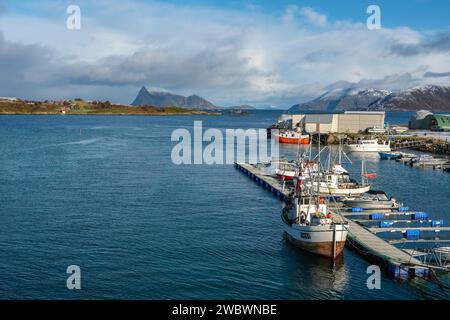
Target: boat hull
point(285, 178)
point(359, 148)
point(317, 239)
point(389, 155)
point(294, 140)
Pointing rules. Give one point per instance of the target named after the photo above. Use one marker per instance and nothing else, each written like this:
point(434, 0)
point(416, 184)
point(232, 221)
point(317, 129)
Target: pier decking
point(403, 230)
point(396, 261)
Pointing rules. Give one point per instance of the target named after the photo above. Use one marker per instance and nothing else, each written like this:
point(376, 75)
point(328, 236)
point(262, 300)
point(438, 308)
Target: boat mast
point(318, 164)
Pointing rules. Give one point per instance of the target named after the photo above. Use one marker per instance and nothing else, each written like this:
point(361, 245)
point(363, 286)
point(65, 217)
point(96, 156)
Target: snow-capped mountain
point(430, 97)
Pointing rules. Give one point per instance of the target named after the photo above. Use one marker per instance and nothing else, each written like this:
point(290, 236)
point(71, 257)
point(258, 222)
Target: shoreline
point(200, 113)
point(432, 144)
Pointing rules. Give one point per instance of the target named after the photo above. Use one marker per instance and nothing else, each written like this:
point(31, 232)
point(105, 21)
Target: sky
point(263, 53)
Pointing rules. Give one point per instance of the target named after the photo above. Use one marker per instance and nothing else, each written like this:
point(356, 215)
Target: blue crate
point(403, 209)
point(437, 223)
point(377, 216)
point(397, 271)
point(420, 216)
point(385, 223)
point(357, 209)
point(412, 234)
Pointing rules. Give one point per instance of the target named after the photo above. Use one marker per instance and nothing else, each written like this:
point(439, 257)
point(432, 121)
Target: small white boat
point(400, 129)
point(376, 130)
point(427, 161)
point(372, 200)
point(308, 225)
point(369, 146)
point(339, 185)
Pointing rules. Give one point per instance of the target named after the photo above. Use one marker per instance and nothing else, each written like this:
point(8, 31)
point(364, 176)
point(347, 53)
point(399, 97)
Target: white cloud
point(227, 56)
point(314, 17)
point(290, 13)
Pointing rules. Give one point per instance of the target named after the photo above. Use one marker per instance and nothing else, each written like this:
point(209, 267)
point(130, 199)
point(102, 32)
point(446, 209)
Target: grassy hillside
point(80, 107)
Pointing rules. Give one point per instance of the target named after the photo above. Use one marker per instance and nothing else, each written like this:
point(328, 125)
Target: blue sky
point(419, 14)
point(265, 53)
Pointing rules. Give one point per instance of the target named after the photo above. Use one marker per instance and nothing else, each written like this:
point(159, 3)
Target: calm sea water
point(101, 192)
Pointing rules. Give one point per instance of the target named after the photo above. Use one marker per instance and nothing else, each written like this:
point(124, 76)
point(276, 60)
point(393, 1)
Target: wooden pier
point(392, 259)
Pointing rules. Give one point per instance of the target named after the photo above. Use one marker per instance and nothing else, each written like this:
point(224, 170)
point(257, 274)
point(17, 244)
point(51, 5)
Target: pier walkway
point(403, 230)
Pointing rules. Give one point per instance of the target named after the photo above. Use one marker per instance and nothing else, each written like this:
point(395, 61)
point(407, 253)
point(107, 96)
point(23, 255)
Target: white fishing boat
point(309, 225)
point(369, 146)
point(335, 181)
point(287, 171)
point(335, 184)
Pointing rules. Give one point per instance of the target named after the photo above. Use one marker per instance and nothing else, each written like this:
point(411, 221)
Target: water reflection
point(312, 275)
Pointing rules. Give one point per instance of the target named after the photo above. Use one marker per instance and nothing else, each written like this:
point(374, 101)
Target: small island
point(13, 106)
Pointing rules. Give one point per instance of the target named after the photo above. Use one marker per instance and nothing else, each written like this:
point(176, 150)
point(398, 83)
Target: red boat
point(293, 137)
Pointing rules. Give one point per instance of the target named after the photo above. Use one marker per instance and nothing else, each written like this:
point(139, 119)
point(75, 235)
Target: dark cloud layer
point(438, 42)
point(436, 74)
point(19, 65)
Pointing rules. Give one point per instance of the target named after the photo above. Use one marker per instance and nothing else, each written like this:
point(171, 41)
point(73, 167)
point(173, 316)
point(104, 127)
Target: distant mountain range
point(242, 107)
point(430, 97)
point(166, 99)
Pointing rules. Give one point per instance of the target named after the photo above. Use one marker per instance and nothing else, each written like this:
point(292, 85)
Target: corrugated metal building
point(348, 121)
point(425, 120)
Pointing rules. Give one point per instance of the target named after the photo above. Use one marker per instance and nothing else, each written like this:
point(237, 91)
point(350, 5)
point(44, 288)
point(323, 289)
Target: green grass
point(81, 107)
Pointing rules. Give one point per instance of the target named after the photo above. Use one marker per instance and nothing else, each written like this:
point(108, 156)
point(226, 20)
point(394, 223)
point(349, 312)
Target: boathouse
point(337, 122)
point(425, 120)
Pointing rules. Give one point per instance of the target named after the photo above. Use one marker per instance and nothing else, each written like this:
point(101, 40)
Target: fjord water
point(102, 193)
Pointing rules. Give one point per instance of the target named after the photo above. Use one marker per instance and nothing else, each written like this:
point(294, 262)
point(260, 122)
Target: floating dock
point(392, 259)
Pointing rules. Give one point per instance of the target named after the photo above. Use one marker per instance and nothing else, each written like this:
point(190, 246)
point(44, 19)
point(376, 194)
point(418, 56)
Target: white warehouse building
point(339, 122)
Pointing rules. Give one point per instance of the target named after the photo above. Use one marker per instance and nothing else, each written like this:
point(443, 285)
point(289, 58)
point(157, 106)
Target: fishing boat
point(310, 225)
point(427, 161)
point(390, 155)
point(372, 200)
point(287, 171)
point(334, 181)
point(338, 184)
point(369, 146)
point(293, 137)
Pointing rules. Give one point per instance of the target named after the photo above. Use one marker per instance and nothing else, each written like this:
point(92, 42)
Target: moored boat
point(428, 161)
point(390, 155)
point(369, 146)
point(293, 137)
point(376, 130)
point(372, 200)
point(309, 225)
point(400, 129)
